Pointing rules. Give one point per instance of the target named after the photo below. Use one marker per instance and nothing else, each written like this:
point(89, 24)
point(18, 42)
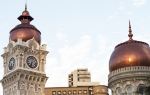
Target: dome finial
point(26, 6)
point(25, 17)
point(130, 35)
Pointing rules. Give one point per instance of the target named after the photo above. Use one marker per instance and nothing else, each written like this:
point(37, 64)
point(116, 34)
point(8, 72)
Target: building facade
point(82, 90)
point(24, 60)
point(129, 68)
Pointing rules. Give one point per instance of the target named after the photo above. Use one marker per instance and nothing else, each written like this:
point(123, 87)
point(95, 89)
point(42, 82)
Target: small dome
point(25, 30)
point(130, 53)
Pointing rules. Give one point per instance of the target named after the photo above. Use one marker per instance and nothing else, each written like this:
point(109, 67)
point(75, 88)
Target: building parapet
point(129, 72)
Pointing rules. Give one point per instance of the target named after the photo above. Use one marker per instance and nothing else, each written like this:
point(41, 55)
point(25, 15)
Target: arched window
point(141, 89)
point(118, 91)
point(129, 89)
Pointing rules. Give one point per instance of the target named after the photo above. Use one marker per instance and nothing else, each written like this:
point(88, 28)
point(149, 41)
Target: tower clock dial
point(11, 63)
point(31, 62)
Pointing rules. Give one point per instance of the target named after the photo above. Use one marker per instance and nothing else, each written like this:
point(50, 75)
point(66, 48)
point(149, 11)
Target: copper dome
point(130, 53)
point(25, 30)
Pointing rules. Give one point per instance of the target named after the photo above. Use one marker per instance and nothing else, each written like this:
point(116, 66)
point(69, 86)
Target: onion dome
point(25, 30)
point(130, 53)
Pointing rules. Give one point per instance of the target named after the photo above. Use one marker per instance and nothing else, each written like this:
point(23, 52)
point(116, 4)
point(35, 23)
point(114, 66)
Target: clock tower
point(24, 59)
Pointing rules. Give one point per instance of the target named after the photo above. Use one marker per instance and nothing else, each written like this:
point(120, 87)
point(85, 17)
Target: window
point(74, 91)
point(64, 92)
point(59, 93)
point(85, 91)
point(69, 92)
point(129, 89)
point(118, 91)
point(53, 92)
point(80, 91)
point(141, 89)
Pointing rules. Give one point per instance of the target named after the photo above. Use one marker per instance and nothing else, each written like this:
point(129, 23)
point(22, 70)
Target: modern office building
point(80, 77)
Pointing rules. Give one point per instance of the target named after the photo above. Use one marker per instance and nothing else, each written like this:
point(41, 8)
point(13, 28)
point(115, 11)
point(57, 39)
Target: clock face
point(11, 63)
point(31, 62)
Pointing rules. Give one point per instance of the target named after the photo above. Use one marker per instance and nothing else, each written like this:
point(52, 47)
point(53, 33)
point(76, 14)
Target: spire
point(130, 35)
point(25, 17)
point(26, 7)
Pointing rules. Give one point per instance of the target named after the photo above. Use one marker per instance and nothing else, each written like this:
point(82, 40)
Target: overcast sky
point(78, 33)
